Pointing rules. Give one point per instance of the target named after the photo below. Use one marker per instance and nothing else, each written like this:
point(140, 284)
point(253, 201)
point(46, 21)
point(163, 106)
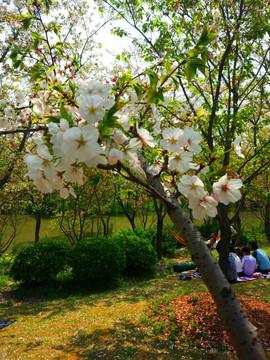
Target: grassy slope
point(101, 324)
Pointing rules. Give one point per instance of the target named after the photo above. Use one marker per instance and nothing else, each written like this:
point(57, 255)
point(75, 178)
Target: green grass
point(66, 320)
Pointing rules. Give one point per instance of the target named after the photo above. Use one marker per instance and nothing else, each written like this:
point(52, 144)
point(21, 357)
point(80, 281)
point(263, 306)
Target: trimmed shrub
point(140, 254)
point(169, 243)
point(40, 262)
point(96, 259)
point(150, 234)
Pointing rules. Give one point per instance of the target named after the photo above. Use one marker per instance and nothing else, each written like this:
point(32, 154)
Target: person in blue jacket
point(261, 257)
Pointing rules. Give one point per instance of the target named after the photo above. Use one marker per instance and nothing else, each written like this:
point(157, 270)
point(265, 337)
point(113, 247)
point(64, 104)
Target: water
point(26, 227)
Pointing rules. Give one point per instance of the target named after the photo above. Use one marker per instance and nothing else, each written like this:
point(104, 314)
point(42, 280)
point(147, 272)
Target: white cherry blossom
point(19, 97)
point(137, 167)
point(156, 128)
point(130, 150)
point(33, 162)
point(191, 186)
point(173, 139)
point(104, 90)
point(119, 137)
point(145, 136)
point(38, 107)
point(72, 174)
point(92, 109)
point(81, 143)
point(44, 153)
point(66, 191)
point(237, 147)
point(9, 112)
point(227, 190)
point(156, 168)
point(4, 124)
point(94, 161)
point(123, 120)
point(115, 155)
point(193, 139)
point(203, 206)
point(180, 161)
point(39, 180)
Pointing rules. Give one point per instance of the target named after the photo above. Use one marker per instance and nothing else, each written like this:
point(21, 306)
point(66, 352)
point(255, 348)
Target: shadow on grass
point(125, 341)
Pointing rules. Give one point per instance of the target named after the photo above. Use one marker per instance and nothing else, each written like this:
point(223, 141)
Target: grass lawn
point(74, 323)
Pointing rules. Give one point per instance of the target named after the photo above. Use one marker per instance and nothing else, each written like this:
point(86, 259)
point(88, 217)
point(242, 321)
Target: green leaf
point(47, 4)
point(54, 119)
point(65, 115)
point(200, 113)
point(206, 37)
point(109, 118)
point(190, 70)
point(158, 96)
point(27, 21)
point(14, 53)
point(168, 66)
point(151, 92)
point(138, 88)
point(17, 64)
point(152, 77)
point(194, 52)
point(175, 81)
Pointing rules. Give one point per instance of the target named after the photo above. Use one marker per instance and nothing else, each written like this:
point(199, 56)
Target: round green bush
point(169, 242)
point(140, 254)
point(40, 262)
point(96, 259)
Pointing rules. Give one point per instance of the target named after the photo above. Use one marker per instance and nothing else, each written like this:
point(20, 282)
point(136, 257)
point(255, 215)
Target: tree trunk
point(238, 232)
point(224, 247)
point(37, 227)
point(267, 220)
point(131, 217)
point(160, 218)
point(267, 229)
point(243, 335)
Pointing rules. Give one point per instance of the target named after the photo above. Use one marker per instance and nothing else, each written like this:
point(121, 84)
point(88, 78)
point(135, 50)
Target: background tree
point(222, 89)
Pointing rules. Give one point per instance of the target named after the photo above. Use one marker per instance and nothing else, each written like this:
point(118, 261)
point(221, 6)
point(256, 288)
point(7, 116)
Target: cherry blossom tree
point(223, 92)
point(116, 125)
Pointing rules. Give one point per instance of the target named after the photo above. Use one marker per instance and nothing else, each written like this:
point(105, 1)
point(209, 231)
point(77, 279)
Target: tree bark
point(267, 220)
point(160, 218)
point(37, 227)
point(225, 230)
point(130, 217)
point(243, 334)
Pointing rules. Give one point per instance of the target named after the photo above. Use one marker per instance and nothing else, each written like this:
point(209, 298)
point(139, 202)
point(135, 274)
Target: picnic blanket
point(5, 323)
point(239, 279)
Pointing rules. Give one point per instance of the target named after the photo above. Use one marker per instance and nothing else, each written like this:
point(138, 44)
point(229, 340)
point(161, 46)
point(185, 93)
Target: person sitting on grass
point(232, 274)
point(237, 259)
point(212, 243)
point(249, 263)
point(238, 252)
point(261, 257)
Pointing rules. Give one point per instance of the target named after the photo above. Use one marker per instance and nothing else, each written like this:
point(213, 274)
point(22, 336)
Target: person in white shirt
point(238, 262)
point(249, 263)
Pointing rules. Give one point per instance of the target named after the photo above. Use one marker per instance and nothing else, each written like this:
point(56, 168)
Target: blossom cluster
point(78, 140)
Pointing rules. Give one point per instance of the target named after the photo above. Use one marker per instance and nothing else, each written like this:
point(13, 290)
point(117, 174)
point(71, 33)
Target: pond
point(26, 227)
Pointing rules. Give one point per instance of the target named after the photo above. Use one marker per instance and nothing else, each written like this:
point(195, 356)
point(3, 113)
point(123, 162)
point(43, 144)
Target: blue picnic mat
point(239, 279)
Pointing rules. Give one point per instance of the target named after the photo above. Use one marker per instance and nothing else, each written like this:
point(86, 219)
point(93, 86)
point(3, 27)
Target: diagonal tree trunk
point(243, 334)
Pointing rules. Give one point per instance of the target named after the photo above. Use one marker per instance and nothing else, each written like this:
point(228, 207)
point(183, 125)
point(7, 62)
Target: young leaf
point(206, 37)
point(26, 22)
point(190, 70)
point(152, 77)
